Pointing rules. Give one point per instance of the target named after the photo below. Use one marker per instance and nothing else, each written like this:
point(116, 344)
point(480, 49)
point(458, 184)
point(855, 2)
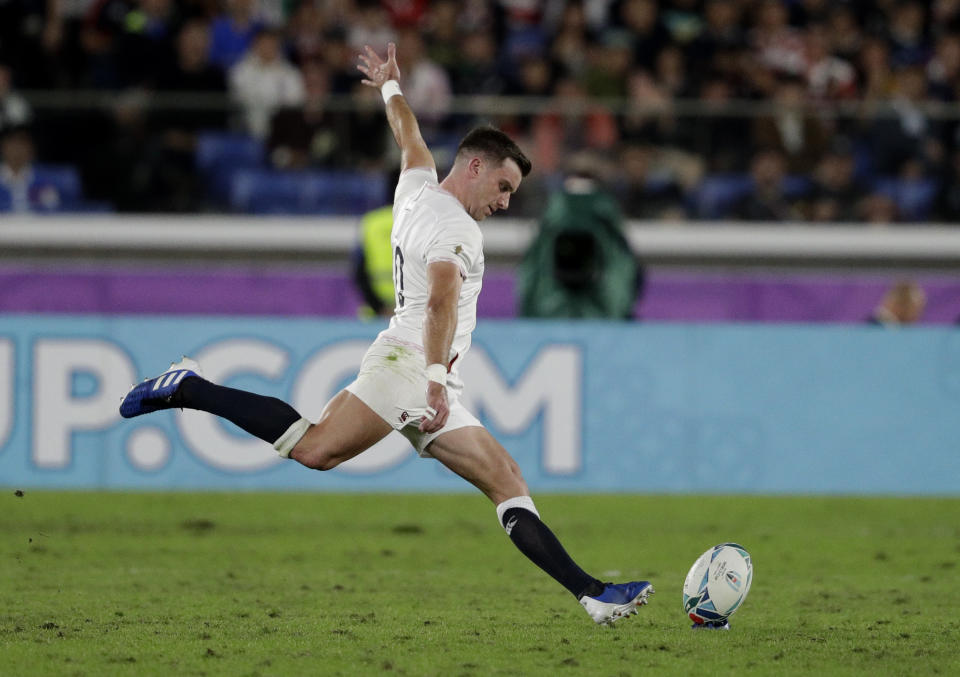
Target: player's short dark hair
point(491, 142)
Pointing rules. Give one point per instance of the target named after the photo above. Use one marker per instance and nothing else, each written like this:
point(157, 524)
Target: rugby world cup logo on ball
point(717, 584)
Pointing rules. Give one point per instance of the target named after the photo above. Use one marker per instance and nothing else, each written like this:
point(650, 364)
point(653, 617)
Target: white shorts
point(393, 383)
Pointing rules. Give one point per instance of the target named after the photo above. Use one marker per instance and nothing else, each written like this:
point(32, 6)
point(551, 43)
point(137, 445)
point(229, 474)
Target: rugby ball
point(717, 583)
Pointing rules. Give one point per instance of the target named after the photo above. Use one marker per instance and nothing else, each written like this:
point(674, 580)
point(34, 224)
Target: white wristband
point(390, 89)
point(437, 373)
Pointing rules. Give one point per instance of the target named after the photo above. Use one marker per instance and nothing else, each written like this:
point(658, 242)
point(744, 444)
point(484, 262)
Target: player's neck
point(455, 186)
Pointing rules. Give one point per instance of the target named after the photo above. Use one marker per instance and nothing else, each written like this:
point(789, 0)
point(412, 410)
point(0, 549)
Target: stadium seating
point(54, 189)
point(717, 194)
point(267, 191)
point(914, 197)
point(220, 154)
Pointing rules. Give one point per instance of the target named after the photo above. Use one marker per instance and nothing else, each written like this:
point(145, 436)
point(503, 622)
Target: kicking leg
point(476, 456)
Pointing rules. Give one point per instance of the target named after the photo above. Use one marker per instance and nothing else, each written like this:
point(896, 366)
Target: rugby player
point(409, 378)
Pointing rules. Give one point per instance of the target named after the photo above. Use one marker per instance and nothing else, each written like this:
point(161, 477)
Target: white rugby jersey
point(430, 224)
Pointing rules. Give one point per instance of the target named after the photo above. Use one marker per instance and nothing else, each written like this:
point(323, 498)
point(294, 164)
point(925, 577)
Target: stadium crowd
point(751, 109)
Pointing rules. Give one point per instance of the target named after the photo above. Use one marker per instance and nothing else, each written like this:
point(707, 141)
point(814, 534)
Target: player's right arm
point(403, 123)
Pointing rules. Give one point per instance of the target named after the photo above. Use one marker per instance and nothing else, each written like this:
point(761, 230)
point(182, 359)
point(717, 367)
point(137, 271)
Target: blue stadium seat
point(220, 154)
point(55, 188)
point(62, 177)
point(914, 197)
point(267, 191)
point(717, 193)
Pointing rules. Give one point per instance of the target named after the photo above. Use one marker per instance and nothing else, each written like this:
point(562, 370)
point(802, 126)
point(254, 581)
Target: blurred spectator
point(410, 12)
point(370, 25)
point(477, 72)
point(836, 192)
point(649, 119)
point(309, 135)
point(642, 19)
point(641, 194)
point(123, 167)
point(943, 70)
point(304, 32)
point(191, 71)
point(903, 304)
point(21, 190)
point(722, 32)
point(792, 128)
point(945, 15)
point(233, 32)
point(341, 60)
point(767, 200)
point(444, 41)
point(14, 109)
point(683, 20)
point(906, 133)
point(877, 80)
point(31, 33)
point(829, 78)
point(426, 86)
point(719, 136)
point(145, 46)
point(779, 48)
point(572, 123)
point(878, 209)
point(671, 72)
point(845, 35)
point(807, 12)
point(608, 66)
point(369, 136)
point(579, 264)
point(906, 33)
point(570, 47)
point(263, 82)
point(104, 23)
point(535, 77)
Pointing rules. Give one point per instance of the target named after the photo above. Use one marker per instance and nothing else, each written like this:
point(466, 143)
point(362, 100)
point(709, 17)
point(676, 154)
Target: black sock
point(264, 417)
point(537, 542)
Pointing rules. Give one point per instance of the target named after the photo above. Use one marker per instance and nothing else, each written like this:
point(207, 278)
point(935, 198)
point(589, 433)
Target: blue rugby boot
point(617, 600)
point(156, 393)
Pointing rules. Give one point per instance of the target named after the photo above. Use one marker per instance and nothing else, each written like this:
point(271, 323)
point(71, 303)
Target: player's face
point(493, 188)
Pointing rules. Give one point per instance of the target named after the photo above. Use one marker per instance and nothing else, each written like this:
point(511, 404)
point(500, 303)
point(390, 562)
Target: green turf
point(290, 584)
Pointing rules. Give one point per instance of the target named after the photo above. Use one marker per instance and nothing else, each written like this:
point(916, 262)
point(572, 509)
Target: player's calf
point(520, 519)
point(183, 386)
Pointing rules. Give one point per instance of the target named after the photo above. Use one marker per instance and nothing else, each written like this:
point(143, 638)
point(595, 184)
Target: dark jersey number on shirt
point(398, 275)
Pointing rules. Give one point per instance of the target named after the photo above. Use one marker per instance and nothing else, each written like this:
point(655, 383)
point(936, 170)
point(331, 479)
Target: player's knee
point(317, 456)
point(325, 459)
point(509, 479)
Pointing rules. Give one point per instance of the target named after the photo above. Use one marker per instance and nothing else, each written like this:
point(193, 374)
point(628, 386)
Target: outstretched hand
point(376, 69)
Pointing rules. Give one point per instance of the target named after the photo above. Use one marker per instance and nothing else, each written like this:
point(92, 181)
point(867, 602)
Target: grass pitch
point(320, 584)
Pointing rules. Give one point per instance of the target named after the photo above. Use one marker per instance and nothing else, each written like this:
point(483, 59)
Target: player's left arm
point(439, 327)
